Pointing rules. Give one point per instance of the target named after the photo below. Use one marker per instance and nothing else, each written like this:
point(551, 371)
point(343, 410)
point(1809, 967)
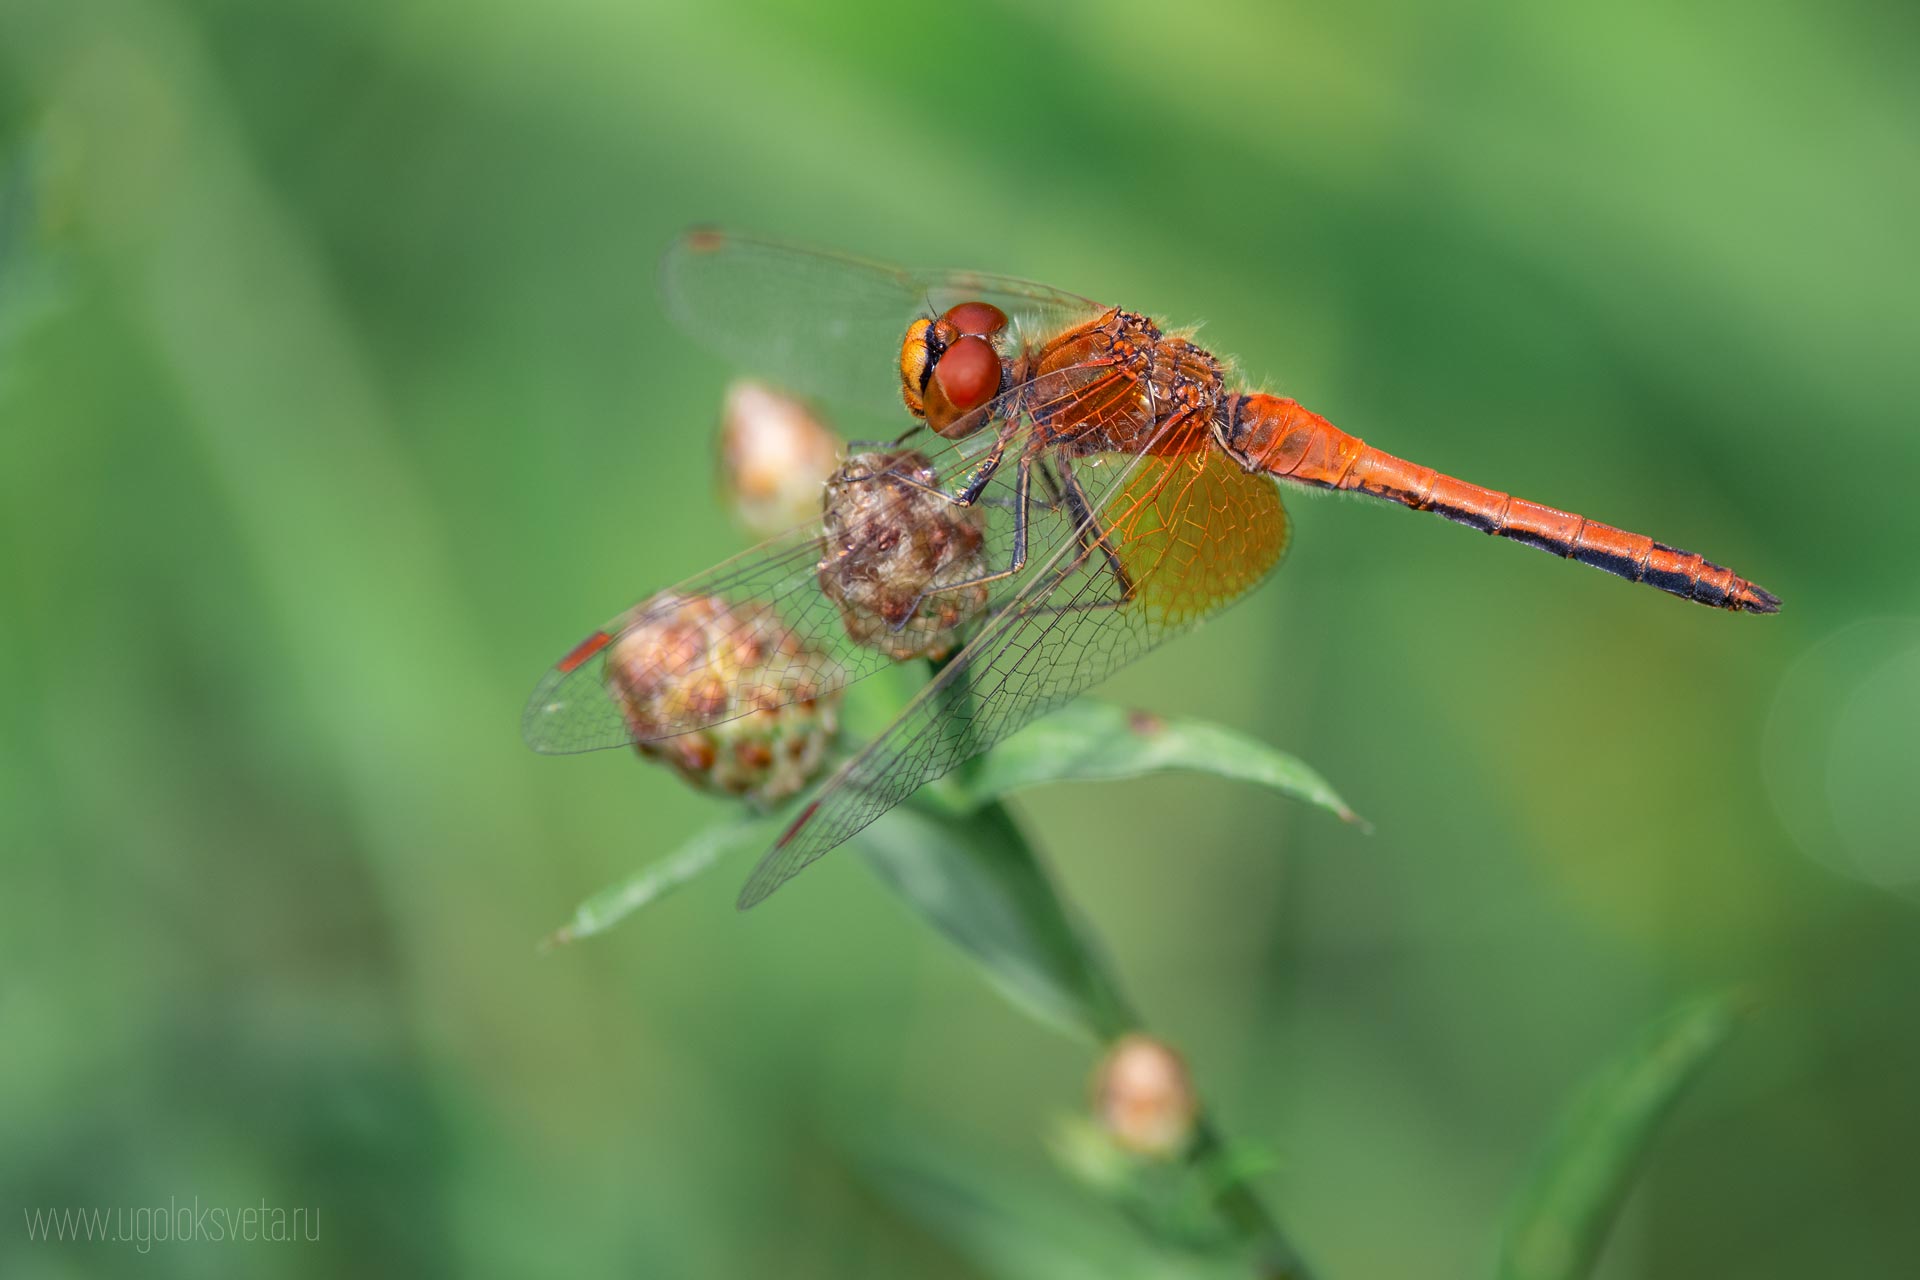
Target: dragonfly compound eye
point(769, 704)
point(901, 558)
point(982, 318)
point(914, 362)
point(966, 377)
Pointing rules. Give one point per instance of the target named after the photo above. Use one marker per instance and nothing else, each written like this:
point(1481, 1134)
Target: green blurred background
point(335, 401)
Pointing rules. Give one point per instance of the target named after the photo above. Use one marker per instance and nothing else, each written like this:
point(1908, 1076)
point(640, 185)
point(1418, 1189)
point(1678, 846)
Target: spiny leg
point(1080, 511)
point(868, 446)
point(1071, 498)
point(977, 481)
point(1022, 496)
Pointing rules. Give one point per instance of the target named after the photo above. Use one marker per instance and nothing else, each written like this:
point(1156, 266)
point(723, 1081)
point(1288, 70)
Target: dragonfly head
point(949, 367)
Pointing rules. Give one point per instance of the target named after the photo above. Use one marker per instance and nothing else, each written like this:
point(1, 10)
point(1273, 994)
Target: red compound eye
point(969, 373)
point(977, 317)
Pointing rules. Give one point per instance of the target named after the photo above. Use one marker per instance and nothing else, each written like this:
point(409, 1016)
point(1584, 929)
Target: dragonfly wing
point(769, 600)
point(828, 324)
point(1193, 532)
point(572, 709)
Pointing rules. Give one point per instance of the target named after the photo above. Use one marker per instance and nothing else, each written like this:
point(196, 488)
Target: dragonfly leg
point(970, 492)
point(1022, 493)
point(1067, 495)
point(873, 446)
point(1080, 511)
point(978, 478)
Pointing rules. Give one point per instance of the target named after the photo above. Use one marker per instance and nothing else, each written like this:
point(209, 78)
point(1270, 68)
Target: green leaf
point(976, 880)
point(656, 880)
point(19, 211)
point(29, 279)
point(1004, 1239)
point(1089, 740)
point(1561, 1220)
point(1174, 1201)
point(1017, 1230)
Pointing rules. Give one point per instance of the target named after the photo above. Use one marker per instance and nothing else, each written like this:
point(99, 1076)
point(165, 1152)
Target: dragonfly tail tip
point(1756, 599)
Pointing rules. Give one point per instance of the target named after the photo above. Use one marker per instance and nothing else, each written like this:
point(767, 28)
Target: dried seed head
point(774, 456)
point(1143, 1097)
point(893, 542)
point(699, 658)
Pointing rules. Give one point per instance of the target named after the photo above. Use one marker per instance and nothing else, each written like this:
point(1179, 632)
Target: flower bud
point(1143, 1097)
point(774, 456)
point(892, 539)
point(740, 671)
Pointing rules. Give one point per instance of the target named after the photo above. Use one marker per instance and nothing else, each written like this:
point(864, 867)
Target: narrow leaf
point(29, 279)
point(651, 883)
point(1007, 1240)
point(1088, 740)
point(976, 880)
point(1561, 1220)
point(1015, 1230)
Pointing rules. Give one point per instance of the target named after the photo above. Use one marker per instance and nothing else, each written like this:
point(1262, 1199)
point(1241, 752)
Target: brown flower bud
point(893, 541)
point(739, 670)
point(1143, 1097)
point(774, 456)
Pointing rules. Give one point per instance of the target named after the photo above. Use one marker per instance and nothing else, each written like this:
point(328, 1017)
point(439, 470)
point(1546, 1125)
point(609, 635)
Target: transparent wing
point(827, 324)
point(775, 590)
point(1192, 533)
point(572, 708)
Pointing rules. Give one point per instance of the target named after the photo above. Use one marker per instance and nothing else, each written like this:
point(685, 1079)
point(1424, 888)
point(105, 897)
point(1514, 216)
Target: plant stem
point(1236, 1201)
point(1278, 1259)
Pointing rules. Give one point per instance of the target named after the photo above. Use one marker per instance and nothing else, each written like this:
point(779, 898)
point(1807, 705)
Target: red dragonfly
point(1121, 481)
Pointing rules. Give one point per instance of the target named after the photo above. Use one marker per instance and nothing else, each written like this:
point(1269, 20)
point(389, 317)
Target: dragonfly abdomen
point(1280, 437)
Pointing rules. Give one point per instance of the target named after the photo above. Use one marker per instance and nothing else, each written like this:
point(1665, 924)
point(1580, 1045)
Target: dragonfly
point(1122, 481)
